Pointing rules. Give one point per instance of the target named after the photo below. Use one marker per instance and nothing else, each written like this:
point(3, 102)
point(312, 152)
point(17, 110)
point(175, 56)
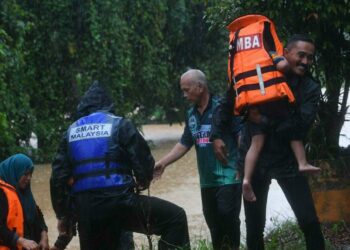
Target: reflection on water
point(179, 184)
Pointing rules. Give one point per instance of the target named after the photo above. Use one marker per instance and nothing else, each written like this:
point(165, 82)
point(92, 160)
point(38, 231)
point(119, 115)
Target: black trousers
point(298, 194)
point(221, 208)
point(99, 215)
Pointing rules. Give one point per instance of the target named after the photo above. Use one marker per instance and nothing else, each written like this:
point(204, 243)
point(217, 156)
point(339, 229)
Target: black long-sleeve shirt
point(135, 153)
point(277, 158)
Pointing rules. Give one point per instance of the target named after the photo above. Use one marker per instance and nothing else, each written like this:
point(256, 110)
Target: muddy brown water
point(179, 184)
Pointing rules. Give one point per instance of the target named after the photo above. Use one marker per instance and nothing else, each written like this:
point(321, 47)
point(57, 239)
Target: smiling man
point(276, 159)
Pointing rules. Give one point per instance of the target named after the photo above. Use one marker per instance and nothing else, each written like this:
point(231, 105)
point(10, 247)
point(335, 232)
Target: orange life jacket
point(15, 220)
point(251, 70)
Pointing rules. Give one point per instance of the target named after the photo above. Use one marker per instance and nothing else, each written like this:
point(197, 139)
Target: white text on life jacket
point(90, 131)
point(249, 42)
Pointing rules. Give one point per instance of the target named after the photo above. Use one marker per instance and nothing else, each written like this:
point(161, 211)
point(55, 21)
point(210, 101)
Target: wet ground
point(179, 184)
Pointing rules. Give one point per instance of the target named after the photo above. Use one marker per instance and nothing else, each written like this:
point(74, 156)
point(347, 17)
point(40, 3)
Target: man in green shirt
point(220, 183)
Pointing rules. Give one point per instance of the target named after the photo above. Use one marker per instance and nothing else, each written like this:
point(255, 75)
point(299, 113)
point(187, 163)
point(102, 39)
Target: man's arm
point(221, 122)
point(41, 225)
point(61, 172)
point(300, 121)
point(138, 153)
point(179, 150)
point(222, 116)
point(309, 105)
point(176, 153)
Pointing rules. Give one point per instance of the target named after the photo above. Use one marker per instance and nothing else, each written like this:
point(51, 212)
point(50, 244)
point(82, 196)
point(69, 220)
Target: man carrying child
point(277, 159)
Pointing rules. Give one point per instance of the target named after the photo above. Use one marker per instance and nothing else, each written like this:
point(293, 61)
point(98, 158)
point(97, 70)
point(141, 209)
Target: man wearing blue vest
point(220, 185)
point(108, 159)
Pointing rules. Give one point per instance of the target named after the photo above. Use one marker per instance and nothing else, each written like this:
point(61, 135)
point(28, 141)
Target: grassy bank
point(288, 236)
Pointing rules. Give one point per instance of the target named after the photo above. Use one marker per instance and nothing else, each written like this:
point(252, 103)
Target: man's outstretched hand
point(158, 170)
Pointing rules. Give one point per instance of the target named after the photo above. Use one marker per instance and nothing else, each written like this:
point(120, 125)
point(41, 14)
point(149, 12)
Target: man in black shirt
point(108, 158)
point(277, 158)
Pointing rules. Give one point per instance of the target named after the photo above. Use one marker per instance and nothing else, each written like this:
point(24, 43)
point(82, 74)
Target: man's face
point(191, 90)
point(300, 57)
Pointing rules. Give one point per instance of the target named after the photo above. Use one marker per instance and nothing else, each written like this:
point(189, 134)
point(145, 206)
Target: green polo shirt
point(197, 132)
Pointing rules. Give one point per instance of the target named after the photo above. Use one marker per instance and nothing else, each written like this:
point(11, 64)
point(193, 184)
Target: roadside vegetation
point(286, 235)
point(50, 51)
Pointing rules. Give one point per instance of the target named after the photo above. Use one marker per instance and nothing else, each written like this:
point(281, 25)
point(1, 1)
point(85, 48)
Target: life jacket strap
point(94, 160)
point(232, 51)
point(256, 86)
point(107, 172)
point(97, 182)
point(250, 73)
point(7, 186)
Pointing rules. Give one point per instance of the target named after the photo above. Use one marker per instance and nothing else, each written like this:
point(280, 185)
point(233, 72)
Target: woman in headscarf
point(22, 224)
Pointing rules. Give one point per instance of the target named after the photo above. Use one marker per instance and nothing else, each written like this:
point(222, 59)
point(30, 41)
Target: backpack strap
point(268, 38)
point(232, 51)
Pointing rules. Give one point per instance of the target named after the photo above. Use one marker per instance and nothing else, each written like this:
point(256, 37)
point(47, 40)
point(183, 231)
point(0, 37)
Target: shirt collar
point(210, 103)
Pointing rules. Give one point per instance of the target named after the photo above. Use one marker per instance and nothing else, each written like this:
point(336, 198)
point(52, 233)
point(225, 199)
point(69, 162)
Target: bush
point(287, 235)
point(338, 234)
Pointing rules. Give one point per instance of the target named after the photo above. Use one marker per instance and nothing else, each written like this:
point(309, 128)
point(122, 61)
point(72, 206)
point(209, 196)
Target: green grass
point(286, 235)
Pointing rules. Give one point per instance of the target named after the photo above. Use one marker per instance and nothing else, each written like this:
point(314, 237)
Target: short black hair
point(299, 37)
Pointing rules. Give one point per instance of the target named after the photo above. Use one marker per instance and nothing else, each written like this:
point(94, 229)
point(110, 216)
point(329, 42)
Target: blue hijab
point(11, 170)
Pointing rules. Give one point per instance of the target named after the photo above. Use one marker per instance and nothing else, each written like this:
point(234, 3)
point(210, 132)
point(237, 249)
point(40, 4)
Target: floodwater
point(179, 184)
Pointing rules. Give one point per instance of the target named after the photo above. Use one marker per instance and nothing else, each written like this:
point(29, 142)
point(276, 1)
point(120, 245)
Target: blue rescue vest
point(89, 147)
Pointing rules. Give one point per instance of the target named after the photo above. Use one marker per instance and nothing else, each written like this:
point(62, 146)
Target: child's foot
point(307, 168)
point(248, 192)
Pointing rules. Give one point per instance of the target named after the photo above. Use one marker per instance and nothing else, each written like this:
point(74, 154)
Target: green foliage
point(285, 235)
point(325, 22)
point(288, 236)
point(6, 140)
point(16, 117)
point(51, 51)
point(337, 234)
point(203, 245)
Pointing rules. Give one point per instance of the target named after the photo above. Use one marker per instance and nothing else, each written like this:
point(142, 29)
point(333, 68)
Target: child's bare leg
point(249, 166)
point(299, 152)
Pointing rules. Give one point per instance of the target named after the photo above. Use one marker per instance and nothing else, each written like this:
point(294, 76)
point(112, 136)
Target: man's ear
point(285, 51)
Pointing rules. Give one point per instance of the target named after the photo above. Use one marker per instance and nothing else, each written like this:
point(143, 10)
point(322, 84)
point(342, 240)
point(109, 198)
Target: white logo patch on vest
point(90, 131)
point(249, 42)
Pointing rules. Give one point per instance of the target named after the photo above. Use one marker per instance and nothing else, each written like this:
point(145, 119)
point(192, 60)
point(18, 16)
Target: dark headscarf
point(95, 99)
point(11, 170)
